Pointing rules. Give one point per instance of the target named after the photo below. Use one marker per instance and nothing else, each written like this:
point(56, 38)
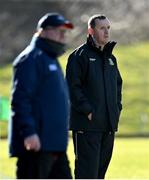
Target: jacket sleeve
point(23, 93)
point(119, 89)
point(75, 75)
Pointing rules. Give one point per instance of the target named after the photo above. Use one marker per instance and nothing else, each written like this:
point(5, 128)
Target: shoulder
point(79, 54)
point(79, 51)
point(28, 56)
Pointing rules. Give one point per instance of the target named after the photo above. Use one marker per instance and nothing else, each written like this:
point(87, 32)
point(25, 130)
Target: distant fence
point(4, 109)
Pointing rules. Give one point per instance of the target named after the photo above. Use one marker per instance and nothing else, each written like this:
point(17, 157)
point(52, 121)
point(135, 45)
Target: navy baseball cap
point(54, 20)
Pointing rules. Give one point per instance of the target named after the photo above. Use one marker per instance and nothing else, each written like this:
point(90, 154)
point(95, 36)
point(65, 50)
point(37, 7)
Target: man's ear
point(90, 31)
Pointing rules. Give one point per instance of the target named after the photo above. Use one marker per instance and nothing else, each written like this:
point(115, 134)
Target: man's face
point(101, 32)
point(57, 34)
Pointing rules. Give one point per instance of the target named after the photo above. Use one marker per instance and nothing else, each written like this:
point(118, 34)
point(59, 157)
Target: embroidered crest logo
point(111, 62)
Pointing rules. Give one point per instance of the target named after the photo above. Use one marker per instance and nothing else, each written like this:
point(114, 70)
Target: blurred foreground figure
point(95, 91)
point(38, 131)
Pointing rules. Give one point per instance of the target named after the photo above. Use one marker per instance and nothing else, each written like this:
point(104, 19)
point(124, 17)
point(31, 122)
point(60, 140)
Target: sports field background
point(131, 155)
point(130, 159)
point(131, 28)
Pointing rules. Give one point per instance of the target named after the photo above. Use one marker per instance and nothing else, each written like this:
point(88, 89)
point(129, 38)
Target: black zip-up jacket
point(95, 86)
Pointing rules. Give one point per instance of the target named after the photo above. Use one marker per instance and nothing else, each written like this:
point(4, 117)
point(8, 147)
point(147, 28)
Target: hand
point(32, 143)
point(90, 116)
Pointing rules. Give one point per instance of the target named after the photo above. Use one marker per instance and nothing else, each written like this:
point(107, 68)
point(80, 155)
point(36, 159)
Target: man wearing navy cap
point(38, 133)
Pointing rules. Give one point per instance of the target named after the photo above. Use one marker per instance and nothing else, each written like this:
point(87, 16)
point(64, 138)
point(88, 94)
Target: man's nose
point(106, 31)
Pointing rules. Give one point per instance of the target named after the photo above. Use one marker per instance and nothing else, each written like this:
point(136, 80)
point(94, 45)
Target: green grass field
point(130, 159)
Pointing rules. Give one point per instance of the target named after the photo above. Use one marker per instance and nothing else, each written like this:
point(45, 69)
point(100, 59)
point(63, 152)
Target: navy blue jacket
point(39, 99)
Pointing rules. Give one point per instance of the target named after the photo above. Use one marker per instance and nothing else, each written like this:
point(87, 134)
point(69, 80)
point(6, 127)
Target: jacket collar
point(52, 48)
point(91, 43)
point(107, 50)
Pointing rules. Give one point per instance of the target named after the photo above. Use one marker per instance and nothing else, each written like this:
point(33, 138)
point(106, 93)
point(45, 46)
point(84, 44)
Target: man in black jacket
point(38, 133)
point(95, 91)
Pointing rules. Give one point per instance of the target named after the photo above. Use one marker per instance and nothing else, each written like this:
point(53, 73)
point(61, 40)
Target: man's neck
point(97, 44)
